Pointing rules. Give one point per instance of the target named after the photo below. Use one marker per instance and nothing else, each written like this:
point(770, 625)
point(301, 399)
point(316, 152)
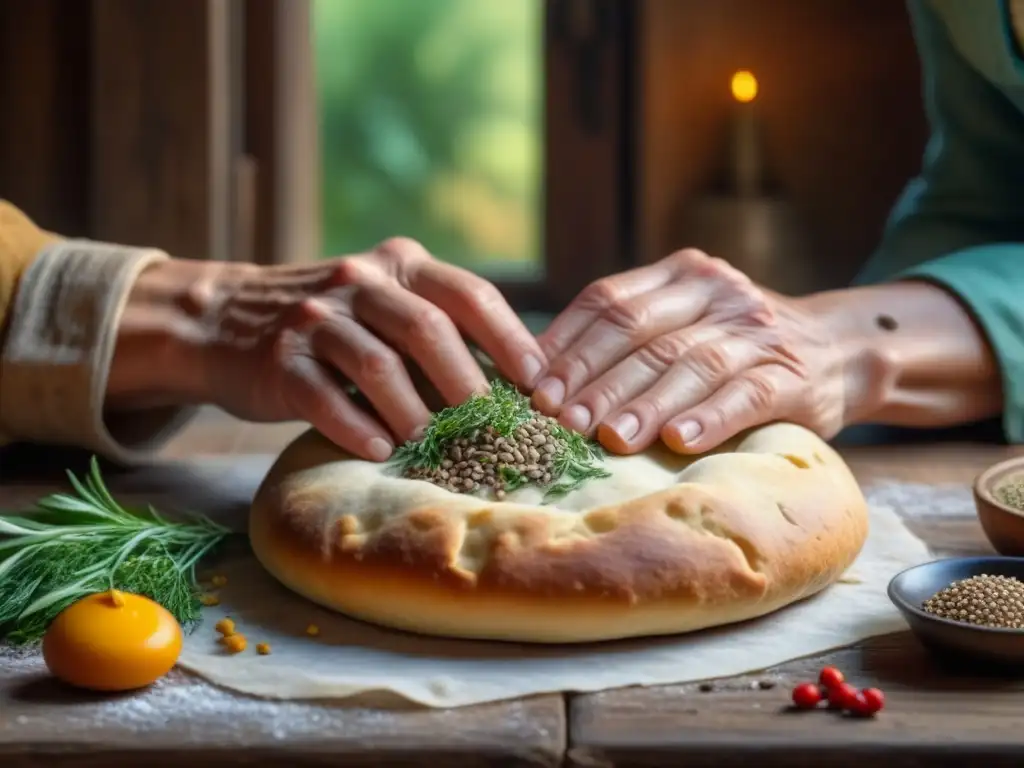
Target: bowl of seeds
point(966, 607)
point(999, 500)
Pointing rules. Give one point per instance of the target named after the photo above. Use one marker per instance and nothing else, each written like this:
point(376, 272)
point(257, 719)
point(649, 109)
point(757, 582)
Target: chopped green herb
point(71, 546)
point(501, 412)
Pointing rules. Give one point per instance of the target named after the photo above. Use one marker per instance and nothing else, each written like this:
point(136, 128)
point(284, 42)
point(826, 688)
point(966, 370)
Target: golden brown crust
point(735, 536)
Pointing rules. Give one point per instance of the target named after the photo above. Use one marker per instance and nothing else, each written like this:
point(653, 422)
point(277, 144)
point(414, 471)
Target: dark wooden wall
point(123, 120)
point(91, 144)
point(839, 102)
point(45, 81)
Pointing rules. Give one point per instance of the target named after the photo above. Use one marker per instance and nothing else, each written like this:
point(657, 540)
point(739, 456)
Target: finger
point(424, 332)
point(315, 277)
point(758, 396)
point(618, 330)
point(584, 310)
point(632, 377)
point(314, 396)
point(699, 373)
point(481, 312)
point(377, 371)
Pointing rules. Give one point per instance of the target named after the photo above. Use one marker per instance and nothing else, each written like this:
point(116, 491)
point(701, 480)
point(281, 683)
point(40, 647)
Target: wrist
point(913, 354)
point(866, 359)
point(158, 355)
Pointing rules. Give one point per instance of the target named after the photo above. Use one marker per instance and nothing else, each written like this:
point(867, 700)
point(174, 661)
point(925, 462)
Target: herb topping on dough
point(498, 443)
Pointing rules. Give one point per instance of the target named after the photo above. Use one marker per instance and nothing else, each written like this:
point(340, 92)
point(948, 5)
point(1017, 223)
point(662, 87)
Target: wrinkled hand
point(688, 349)
point(284, 341)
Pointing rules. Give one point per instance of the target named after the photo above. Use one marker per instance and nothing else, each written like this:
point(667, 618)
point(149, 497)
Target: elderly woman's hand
point(279, 343)
point(689, 349)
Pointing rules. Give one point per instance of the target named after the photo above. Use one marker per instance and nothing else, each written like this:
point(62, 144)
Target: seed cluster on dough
point(489, 459)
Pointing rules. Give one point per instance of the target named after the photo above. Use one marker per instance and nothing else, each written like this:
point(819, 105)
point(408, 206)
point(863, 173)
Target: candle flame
point(744, 86)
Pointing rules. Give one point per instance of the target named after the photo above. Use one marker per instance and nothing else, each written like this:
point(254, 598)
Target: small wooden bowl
point(957, 641)
point(1003, 525)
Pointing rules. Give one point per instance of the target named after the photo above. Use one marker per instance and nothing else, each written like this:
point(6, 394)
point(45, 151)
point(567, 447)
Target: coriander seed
point(497, 462)
point(497, 443)
point(1011, 492)
point(984, 600)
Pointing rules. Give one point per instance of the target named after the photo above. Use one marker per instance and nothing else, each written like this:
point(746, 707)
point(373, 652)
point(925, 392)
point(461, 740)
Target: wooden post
point(164, 118)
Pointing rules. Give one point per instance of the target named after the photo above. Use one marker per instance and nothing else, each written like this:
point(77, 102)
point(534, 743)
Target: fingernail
point(531, 367)
point(689, 430)
point(552, 390)
point(378, 449)
point(625, 426)
point(577, 417)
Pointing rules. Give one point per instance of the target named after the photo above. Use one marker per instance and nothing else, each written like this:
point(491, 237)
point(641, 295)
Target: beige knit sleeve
point(61, 330)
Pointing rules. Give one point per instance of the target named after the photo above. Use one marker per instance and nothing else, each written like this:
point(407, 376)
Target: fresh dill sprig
point(576, 464)
point(73, 545)
point(504, 408)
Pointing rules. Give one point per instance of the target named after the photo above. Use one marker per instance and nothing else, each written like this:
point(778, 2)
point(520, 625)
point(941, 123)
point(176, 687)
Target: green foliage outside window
point(431, 127)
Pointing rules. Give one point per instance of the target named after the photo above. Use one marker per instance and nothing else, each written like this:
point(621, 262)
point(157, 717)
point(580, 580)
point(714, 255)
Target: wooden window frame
point(589, 170)
point(193, 126)
point(589, 148)
point(281, 130)
point(162, 125)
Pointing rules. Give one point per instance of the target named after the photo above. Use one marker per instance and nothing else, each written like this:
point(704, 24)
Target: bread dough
point(667, 544)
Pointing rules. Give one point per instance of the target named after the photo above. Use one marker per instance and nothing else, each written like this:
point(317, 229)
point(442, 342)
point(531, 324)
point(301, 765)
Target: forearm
point(159, 338)
point(56, 363)
point(913, 355)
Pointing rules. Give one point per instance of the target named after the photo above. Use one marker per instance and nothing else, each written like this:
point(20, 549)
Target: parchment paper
point(349, 657)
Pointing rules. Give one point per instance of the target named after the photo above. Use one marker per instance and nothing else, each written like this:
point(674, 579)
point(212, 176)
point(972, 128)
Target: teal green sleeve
point(960, 223)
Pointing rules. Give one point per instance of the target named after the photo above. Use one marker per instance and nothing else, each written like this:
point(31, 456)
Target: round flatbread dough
point(667, 544)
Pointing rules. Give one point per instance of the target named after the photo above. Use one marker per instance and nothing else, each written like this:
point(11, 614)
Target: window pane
point(431, 127)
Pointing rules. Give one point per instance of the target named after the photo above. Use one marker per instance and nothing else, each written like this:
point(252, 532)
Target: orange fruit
point(112, 641)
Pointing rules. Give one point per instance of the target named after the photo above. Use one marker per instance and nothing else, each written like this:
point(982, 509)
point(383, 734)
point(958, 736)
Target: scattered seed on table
point(225, 626)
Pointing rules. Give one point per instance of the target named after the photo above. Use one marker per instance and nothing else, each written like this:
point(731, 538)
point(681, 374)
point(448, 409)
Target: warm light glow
point(744, 86)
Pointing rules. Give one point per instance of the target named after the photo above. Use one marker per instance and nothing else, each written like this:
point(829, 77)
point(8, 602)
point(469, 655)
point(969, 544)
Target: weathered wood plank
point(164, 133)
point(184, 721)
point(934, 715)
point(44, 90)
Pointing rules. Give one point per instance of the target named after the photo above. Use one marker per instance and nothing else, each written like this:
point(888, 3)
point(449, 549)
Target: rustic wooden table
point(934, 716)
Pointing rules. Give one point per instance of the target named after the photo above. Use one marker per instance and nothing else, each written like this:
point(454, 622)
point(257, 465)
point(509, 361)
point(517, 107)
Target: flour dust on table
point(349, 658)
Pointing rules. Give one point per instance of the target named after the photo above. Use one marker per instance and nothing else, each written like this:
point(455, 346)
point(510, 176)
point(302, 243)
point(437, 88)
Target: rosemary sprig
point(73, 545)
point(504, 408)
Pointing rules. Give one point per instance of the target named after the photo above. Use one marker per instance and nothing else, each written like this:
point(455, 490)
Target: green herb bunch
point(504, 409)
point(75, 545)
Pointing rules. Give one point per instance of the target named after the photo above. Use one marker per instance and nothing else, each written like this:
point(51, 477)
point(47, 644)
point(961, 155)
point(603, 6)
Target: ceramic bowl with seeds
point(999, 500)
point(969, 608)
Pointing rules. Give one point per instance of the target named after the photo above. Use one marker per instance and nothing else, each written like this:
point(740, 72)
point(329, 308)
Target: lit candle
point(745, 160)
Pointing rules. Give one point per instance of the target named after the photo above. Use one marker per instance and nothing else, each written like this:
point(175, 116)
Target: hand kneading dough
point(667, 544)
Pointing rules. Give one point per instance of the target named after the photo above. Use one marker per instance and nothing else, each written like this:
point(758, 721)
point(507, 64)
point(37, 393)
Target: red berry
point(806, 696)
point(869, 701)
point(843, 696)
point(831, 677)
